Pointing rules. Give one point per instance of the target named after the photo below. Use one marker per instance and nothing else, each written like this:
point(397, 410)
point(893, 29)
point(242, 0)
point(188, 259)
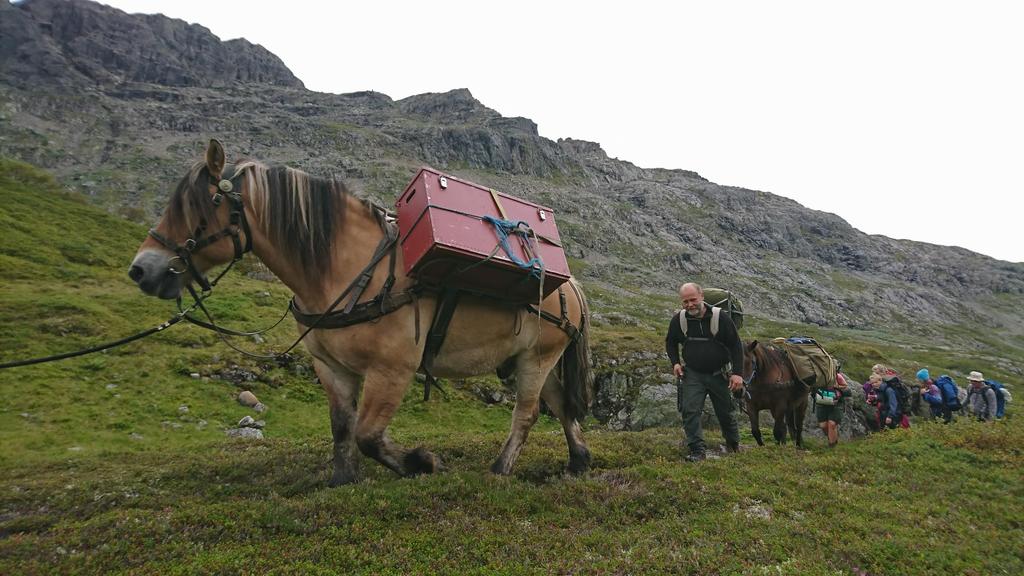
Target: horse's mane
point(769, 358)
point(299, 213)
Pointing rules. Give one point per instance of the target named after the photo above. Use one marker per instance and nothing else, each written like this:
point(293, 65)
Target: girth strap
point(446, 304)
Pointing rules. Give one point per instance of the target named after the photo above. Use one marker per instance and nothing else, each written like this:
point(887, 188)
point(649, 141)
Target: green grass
point(103, 472)
point(871, 505)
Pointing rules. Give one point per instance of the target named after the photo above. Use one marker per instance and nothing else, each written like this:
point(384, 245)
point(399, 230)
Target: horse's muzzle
point(152, 271)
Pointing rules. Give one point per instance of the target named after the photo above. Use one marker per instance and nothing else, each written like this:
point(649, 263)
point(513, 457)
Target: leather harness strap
point(443, 313)
point(353, 312)
point(560, 321)
point(381, 305)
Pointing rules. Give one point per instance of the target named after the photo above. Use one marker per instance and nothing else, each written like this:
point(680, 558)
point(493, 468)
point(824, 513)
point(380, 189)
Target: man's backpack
point(719, 301)
point(950, 394)
point(902, 395)
point(1001, 396)
point(812, 364)
point(727, 301)
point(997, 387)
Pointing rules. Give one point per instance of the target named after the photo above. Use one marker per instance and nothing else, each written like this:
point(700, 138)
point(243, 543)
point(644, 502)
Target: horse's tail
point(578, 381)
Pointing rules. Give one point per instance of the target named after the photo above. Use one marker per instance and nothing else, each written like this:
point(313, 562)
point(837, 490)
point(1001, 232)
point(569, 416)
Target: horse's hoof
point(421, 461)
point(499, 469)
point(341, 480)
point(579, 463)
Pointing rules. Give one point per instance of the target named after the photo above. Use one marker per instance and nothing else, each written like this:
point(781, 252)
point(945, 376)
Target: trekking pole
point(679, 394)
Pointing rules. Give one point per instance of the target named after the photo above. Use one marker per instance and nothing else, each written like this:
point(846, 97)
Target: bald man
point(705, 367)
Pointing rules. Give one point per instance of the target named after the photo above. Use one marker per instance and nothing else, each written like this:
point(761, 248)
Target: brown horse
point(317, 239)
point(772, 385)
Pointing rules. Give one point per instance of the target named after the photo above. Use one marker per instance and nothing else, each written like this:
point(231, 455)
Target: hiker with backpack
point(871, 397)
point(949, 392)
point(930, 393)
point(828, 407)
point(981, 397)
point(893, 401)
point(1003, 396)
point(711, 350)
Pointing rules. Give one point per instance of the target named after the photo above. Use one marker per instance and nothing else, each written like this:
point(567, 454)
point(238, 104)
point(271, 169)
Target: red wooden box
point(445, 240)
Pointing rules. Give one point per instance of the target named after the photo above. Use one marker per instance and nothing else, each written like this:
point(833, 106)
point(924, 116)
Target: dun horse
point(773, 386)
point(318, 240)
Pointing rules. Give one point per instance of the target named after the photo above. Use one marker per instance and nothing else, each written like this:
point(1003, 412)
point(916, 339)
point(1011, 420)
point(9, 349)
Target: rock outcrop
point(68, 42)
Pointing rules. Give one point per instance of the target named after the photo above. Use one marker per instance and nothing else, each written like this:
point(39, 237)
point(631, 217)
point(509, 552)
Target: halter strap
point(226, 187)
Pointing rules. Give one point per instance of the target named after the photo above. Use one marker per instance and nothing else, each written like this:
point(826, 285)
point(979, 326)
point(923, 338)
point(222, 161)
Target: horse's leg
point(342, 388)
point(799, 413)
point(791, 425)
point(531, 372)
point(779, 430)
point(554, 397)
point(755, 423)
point(382, 393)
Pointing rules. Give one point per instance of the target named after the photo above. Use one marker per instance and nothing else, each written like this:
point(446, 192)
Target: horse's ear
point(752, 345)
point(215, 159)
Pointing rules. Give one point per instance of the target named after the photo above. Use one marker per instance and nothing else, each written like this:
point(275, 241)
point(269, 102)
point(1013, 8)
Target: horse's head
point(203, 225)
point(750, 367)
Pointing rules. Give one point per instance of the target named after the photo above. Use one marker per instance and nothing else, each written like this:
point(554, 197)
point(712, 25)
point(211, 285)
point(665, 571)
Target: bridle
point(237, 225)
point(753, 373)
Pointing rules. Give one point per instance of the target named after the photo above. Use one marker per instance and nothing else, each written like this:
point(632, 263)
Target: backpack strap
point(716, 314)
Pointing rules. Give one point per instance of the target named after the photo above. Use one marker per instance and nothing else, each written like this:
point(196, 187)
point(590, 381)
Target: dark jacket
point(891, 405)
point(706, 356)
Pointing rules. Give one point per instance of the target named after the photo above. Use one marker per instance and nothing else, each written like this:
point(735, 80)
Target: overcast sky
point(905, 118)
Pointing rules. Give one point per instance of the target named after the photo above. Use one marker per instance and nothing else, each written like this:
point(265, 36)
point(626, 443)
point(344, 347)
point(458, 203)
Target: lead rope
point(100, 348)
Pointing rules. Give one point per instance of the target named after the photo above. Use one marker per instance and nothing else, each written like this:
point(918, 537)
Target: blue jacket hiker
point(930, 393)
point(894, 400)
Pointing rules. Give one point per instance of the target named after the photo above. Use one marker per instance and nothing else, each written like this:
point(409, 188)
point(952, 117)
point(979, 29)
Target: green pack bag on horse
point(814, 366)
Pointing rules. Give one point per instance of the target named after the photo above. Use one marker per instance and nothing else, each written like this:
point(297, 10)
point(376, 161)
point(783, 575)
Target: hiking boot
point(695, 457)
point(731, 446)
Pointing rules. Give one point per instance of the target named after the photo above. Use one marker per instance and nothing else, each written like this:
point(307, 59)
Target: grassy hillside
point(117, 463)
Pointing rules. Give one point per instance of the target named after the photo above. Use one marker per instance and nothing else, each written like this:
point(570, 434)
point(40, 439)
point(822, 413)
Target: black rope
point(174, 320)
point(228, 331)
point(223, 333)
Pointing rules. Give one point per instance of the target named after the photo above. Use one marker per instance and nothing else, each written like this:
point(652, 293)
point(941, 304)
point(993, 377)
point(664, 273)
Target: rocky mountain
point(70, 43)
point(118, 105)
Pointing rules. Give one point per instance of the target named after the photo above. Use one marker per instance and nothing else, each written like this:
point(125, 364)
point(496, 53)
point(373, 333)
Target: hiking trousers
point(947, 413)
point(696, 386)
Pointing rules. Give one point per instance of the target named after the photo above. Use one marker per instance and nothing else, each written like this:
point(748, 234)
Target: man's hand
point(735, 383)
point(677, 369)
